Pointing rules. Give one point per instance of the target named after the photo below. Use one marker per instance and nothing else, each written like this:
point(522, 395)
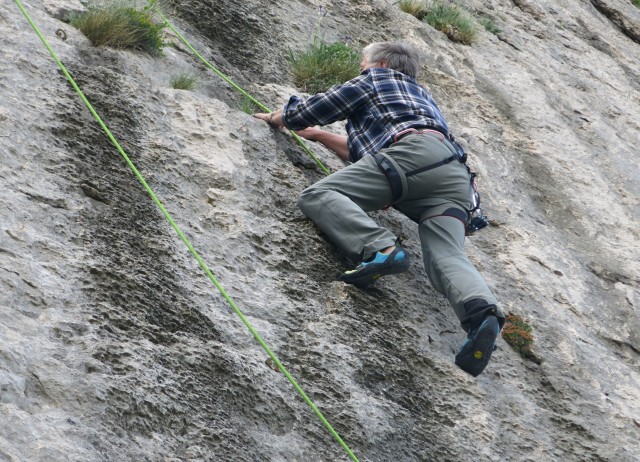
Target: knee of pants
point(308, 199)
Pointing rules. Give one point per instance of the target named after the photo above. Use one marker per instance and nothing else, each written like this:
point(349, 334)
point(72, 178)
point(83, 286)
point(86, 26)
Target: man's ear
point(383, 63)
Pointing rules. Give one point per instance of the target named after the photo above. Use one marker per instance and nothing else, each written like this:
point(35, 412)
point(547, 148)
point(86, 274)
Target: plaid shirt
point(377, 104)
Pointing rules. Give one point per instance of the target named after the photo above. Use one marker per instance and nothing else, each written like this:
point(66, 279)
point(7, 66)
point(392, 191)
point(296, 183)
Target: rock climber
point(402, 154)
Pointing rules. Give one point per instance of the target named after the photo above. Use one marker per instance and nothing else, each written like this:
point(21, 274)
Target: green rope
point(203, 265)
point(234, 85)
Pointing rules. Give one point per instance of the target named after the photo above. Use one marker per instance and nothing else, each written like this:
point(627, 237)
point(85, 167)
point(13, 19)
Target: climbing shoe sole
point(475, 353)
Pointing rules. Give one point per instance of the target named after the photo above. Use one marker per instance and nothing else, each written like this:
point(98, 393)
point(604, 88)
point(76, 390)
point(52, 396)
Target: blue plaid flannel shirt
point(377, 104)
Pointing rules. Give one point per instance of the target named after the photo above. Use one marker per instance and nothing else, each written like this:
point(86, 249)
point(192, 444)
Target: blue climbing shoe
point(475, 353)
point(379, 265)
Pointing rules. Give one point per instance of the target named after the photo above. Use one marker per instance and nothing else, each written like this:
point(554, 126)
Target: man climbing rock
point(404, 155)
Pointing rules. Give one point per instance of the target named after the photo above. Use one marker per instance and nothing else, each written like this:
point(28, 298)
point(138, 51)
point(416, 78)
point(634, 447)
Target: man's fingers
point(267, 118)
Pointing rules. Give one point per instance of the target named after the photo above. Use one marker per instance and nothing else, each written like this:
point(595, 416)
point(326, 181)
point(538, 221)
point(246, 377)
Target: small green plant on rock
point(184, 81)
point(490, 25)
point(323, 65)
point(120, 26)
point(247, 106)
point(636, 3)
point(454, 22)
point(517, 332)
point(417, 8)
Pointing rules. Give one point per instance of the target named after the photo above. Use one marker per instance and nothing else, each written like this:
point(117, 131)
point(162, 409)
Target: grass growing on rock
point(120, 26)
point(183, 81)
point(453, 21)
point(417, 8)
point(517, 332)
point(246, 105)
point(490, 25)
point(323, 65)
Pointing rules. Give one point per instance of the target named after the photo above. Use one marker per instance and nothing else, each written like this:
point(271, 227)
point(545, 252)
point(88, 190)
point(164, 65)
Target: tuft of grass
point(636, 3)
point(323, 65)
point(452, 21)
point(417, 8)
point(184, 81)
point(120, 26)
point(517, 332)
point(247, 106)
point(490, 25)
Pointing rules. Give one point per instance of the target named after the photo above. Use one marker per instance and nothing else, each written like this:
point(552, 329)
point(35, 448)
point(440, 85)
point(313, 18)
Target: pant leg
point(449, 270)
point(442, 237)
point(338, 205)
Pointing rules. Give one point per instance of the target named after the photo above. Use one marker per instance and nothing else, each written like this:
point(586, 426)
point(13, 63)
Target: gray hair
point(399, 56)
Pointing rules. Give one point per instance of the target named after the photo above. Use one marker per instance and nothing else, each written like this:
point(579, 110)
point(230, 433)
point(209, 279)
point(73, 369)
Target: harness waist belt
point(421, 131)
point(461, 155)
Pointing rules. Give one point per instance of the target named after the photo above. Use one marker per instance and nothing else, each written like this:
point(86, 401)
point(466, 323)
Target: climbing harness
point(393, 176)
point(182, 236)
point(473, 218)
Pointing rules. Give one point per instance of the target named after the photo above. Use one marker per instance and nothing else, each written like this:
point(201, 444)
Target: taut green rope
point(203, 265)
point(234, 85)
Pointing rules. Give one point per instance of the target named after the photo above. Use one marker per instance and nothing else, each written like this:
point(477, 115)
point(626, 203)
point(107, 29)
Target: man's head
point(398, 56)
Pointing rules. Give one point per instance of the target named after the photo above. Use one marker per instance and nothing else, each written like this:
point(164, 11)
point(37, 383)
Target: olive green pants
point(338, 205)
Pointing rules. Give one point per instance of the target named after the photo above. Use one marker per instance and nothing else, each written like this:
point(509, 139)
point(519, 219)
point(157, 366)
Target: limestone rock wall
point(114, 345)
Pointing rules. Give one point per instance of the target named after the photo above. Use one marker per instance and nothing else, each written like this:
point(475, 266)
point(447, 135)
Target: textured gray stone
point(114, 345)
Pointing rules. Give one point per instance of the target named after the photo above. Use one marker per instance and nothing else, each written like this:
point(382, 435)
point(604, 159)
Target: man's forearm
point(337, 143)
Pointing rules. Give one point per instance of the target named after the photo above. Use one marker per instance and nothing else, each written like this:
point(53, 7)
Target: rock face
point(115, 346)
